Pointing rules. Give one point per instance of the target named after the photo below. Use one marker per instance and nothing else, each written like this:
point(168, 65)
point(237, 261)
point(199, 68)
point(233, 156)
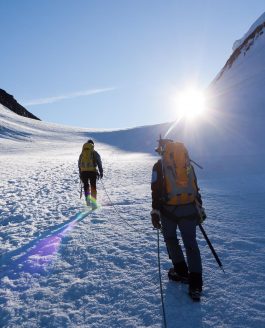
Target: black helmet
point(90, 141)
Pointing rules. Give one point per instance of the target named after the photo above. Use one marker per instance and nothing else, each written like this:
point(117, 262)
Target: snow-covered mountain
point(238, 97)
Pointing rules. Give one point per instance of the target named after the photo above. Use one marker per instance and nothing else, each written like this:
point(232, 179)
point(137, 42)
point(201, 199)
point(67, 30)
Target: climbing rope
point(158, 254)
point(160, 281)
point(117, 211)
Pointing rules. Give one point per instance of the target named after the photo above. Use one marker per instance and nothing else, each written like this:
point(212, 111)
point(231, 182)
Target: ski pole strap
point(211, 248)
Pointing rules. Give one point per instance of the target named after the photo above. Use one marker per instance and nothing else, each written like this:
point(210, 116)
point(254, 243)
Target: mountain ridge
point(11, 103)
point(245, 45)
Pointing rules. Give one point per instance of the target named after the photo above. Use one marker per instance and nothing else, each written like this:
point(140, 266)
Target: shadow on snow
point(36, 255)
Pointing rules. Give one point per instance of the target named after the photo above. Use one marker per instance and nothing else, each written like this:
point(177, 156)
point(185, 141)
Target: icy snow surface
point(64, 266)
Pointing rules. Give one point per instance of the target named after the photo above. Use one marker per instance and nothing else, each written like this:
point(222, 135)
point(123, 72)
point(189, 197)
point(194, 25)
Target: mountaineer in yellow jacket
point(90, 168)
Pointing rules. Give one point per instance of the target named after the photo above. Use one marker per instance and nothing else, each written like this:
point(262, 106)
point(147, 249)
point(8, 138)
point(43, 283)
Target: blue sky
point(115, 63)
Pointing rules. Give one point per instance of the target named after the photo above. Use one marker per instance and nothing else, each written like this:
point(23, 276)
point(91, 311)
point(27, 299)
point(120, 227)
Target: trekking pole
point(211, 248)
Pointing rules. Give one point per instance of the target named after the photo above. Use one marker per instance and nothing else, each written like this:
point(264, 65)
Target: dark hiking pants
point(89, 180)
point(187, 229)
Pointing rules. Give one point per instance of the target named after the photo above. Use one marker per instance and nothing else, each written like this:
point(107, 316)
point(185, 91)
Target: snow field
point(85, 281)
point(63, 266)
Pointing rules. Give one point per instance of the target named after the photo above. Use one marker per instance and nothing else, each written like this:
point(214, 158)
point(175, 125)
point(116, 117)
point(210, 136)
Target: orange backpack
point(180, 182)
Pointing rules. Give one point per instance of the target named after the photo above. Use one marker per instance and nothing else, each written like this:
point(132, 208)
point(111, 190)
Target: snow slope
point(62, 266)
point(237, 91)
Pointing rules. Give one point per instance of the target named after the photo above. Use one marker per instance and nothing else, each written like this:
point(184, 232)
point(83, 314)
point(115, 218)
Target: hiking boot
point(195, 285)
point(88, 203)
point(195, 281)
point(94, 206)
point(179, 272)
point(195, 294)
point(173, 275)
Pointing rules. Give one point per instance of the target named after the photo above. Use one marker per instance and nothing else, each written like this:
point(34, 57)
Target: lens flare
point(92, 202)
point(190, 103)
point(37, 255)
point(45, 250)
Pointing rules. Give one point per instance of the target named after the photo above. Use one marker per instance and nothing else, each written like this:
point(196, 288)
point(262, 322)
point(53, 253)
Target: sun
point(190, 103)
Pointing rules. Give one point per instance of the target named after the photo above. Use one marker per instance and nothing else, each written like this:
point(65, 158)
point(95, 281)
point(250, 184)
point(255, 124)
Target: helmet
point(90, 141)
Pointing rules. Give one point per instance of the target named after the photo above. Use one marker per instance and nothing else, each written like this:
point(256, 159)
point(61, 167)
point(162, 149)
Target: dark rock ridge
point(243, 48)
point(10, 102)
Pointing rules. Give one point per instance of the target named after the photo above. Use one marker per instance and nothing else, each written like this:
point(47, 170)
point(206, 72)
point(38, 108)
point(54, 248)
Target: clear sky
point(115, 63)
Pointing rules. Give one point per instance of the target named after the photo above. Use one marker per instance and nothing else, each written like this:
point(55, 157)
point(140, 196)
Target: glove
point(155, 217)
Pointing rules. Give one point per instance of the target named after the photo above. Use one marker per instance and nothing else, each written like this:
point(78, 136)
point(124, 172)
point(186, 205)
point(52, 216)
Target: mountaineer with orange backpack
point(176, 203)
point(89, 161)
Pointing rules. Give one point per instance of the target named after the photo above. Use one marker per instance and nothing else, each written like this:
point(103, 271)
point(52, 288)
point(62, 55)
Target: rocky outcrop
point(10, 102)
point(243, 48)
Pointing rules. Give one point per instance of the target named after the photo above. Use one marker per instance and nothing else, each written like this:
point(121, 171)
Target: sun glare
point(190, 103)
